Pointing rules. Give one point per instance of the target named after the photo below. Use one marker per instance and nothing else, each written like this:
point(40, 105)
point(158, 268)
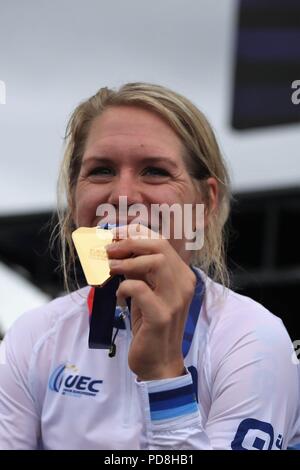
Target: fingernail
point(114, 263)
point(110, 246)
point(122, 303)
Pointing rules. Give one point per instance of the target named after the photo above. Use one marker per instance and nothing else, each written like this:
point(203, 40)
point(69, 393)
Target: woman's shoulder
point(38, 322)
point(228, 311)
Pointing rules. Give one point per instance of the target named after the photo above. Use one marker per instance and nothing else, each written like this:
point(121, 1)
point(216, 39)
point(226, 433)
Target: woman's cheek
point(87, 200)
point(84, 206)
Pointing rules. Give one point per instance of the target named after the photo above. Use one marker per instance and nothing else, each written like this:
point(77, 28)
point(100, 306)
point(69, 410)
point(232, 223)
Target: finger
point(121, 302)
point(129, 247)
point(145, 267)
point(135, 231)
point(144, 299)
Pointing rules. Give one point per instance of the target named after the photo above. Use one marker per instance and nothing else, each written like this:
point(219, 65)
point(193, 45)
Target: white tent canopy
point(17, 296)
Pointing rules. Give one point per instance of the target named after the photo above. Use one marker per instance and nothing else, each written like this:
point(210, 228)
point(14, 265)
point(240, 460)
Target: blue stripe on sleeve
point(174, 412)
point(172, 393)
point(172, 403)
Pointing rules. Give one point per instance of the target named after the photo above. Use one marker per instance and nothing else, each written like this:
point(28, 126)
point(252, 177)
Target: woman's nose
point(125, 185)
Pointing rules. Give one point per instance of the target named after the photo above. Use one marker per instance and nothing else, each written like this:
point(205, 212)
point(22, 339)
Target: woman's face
point(133, 152)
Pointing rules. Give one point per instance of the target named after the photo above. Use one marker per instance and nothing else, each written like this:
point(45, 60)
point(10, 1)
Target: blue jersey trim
point(174, 412)
point(194, 313)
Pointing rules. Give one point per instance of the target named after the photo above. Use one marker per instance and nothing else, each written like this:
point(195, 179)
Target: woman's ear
point(212, 198)
point(213, 193)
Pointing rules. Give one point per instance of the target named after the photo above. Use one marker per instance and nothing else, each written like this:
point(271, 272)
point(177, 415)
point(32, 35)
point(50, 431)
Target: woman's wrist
point(163, 373)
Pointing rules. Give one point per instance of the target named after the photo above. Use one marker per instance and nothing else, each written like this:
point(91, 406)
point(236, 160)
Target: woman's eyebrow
point(144, 160)
point(102, 160)
point(154, 160)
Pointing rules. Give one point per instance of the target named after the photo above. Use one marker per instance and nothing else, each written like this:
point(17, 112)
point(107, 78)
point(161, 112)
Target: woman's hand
point(161, 286)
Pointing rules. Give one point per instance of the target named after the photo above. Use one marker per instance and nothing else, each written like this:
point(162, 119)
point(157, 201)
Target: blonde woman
point(201, 367)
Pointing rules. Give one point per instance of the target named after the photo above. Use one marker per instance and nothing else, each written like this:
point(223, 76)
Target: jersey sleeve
point(171, 414)
point(253, 386)
point(19, 422)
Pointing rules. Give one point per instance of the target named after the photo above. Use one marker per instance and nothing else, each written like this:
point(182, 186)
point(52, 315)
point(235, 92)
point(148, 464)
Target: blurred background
point(239, 61)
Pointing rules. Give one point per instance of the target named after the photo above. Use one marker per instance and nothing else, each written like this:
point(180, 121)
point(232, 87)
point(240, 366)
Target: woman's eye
point(101, 170)
point(154, 171)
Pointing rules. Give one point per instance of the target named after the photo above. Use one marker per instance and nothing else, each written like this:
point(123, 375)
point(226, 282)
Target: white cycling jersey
point(241, 390)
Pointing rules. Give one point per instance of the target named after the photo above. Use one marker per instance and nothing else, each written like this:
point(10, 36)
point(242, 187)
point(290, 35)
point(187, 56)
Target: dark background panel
point(267, 62)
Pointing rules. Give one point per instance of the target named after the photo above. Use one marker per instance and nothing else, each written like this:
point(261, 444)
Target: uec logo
point(64, 380)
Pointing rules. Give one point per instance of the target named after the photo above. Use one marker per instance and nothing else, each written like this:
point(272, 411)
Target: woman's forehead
point(132, 130)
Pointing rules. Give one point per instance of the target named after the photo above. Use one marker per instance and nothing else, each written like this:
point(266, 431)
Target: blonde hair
point(203, 159)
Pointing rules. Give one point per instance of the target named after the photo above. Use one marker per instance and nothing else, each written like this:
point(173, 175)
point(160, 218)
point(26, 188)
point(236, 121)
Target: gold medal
point(90, 245)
